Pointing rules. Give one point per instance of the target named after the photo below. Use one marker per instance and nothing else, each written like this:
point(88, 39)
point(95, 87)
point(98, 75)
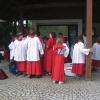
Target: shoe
point(61, 82)
point(30, 76)
point(54, 81)
point(38, 76)
point(24, 74)
point(79, 77)
point(18, 74)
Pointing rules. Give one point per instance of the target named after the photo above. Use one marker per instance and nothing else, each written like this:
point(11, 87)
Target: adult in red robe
point(34, 51)
point(58, 63)
point(19, 54)
point(60, 35)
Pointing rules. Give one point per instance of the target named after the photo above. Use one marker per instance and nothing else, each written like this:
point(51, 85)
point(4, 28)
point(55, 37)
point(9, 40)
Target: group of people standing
point(34, 55)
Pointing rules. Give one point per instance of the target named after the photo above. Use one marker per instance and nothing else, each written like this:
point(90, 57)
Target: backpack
point(13, 68)
point(3, 75)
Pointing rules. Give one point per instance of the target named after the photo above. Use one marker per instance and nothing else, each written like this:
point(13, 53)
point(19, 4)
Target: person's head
point(38, 34)
point(52, 35)
point(31, 31)
point(80, 38)
point(60, 34)
point(98, 39)
point(59, 41)
point(19, 35)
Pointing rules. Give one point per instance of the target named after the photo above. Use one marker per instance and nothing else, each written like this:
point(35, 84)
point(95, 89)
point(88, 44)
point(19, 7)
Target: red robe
point(21, 66)
point(49, 54)
point(58, 64)
point(96, 63)
point(34, 67)
point(78, 69)
point(78, 64)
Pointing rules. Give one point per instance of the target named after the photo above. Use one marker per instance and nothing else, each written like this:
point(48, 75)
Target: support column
point(89, 37)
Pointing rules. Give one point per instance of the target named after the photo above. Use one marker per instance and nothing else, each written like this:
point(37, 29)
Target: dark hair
point(98, 39)
point(60, 34)
point(38, 33)
point(19, 34)
point(80, 37)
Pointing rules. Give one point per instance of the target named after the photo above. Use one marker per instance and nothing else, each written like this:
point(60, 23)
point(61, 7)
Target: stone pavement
point(23, 88)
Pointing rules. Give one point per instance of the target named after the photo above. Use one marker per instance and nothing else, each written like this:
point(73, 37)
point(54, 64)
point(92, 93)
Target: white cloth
point(20, 51)
point(11, 48)
point(35, 49)
point(96, 51)
point(79, 53)
point(66, 53)
point(85, 41)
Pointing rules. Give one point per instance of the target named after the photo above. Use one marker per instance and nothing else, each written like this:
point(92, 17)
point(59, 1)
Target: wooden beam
point(50, 5)
point(89, 36)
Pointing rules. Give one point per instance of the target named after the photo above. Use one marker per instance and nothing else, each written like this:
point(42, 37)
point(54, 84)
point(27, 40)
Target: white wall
point(60, 21)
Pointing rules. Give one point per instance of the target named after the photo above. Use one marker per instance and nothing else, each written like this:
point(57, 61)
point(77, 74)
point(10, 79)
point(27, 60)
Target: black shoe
point(30, 77)
point(79, 77)
point(38, 76)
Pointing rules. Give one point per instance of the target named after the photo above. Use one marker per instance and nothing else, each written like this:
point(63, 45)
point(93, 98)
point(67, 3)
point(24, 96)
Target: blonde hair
point(59, 40)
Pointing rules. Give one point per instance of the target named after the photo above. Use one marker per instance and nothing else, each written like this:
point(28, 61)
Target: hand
point(91, 50)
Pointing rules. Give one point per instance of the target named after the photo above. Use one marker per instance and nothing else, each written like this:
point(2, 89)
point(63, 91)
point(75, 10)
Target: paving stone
point(23, 88)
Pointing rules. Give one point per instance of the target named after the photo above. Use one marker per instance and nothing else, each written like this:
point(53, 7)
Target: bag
point(3, 75)
point(13, 68)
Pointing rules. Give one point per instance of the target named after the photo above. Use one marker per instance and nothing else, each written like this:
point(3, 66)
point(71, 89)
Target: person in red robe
point(60, 35)
point(41, 40)
point(78, 57)
point(58, 63)
point(96, 54)
point(19, 53)
point(45, 39)
point(34, 52)
point(49, 52)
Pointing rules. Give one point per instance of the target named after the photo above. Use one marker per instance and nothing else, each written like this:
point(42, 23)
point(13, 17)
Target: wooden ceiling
point(46, 9)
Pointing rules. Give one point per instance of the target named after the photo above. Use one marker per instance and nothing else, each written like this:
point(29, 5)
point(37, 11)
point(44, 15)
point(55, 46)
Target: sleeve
point(83, 50)
point(40, 47)
point(10, 46)
point(94, 50)
point(13, 51)
point(66, 53)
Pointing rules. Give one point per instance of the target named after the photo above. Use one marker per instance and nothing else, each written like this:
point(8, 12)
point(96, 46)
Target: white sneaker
point(61, 82)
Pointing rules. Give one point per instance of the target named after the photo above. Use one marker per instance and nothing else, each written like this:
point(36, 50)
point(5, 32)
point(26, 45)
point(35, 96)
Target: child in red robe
point(96, 53)
point(78, 57)
point(60, 50)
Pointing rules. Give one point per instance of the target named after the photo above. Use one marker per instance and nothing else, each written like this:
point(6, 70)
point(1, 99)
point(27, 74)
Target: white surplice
point(79, 53)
